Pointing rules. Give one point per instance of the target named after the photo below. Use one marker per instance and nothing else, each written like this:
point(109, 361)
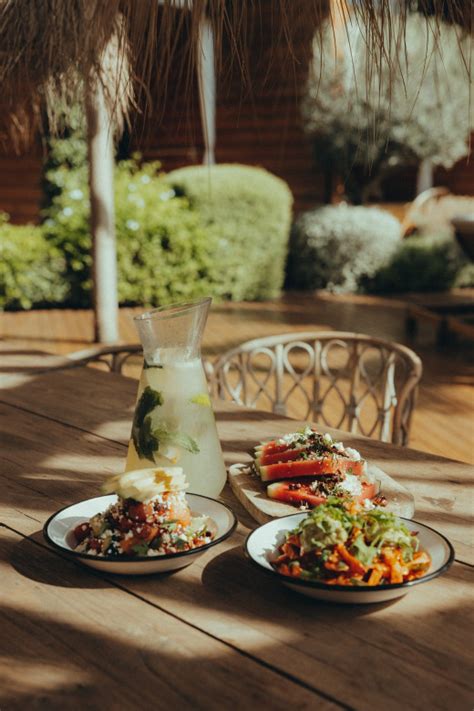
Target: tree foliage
point(414, 104)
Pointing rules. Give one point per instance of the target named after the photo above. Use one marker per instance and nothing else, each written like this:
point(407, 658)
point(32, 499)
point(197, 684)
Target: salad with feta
point(151, 517)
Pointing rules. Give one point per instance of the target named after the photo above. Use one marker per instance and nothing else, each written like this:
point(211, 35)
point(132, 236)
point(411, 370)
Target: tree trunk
point(425, 177)
point(101, 184)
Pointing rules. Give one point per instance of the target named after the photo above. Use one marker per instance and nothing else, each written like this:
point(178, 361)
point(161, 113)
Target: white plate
point(262, 544)
point(58, 532)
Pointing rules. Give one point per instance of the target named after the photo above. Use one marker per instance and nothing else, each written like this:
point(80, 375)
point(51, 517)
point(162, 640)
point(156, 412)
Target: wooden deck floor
point(444, 418)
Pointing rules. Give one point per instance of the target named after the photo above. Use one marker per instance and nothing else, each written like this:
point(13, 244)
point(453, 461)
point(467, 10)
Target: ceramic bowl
point(58, 532)
point(262, 544)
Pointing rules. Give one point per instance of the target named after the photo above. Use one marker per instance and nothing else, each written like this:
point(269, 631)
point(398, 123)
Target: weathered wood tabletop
point(217, 634)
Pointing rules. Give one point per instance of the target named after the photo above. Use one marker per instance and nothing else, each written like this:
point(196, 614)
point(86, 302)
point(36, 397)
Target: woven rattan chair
point(113, 357)
point(343, 380)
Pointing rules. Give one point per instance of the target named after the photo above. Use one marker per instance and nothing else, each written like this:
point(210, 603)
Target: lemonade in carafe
point(174, 421)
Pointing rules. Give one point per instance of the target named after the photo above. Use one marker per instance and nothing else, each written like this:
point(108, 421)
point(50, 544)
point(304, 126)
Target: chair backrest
point(113, 357)
point(343, 380)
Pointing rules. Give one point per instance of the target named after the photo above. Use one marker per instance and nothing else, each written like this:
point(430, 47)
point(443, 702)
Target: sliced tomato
point(138, 511)
point(95, 544)
point(147, 533)
point(125, 524)
point(311, 467)
point(127, 544)
point(81, 532)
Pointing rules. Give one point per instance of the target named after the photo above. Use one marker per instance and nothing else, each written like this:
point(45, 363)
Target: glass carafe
point(174, 424)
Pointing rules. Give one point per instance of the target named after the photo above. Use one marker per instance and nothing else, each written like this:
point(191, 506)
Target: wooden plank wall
point(20, 185)
point(171, 132)
point(257, 118)
point(401, 185)
point(258, 121)
point(459, 180)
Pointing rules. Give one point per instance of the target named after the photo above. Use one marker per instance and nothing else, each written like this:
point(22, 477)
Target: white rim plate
point(262, 543)
point(58, 532)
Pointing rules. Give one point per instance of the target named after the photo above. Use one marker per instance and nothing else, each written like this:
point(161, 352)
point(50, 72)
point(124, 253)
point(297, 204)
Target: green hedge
point(248, 213)
point(221, 231)
point(163, 252)
point(337, 247)
point(31, 269)
point(358, 249)
point(422, 263)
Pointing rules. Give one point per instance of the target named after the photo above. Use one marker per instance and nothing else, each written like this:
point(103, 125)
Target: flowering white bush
point(409, 105)
point(337, 247)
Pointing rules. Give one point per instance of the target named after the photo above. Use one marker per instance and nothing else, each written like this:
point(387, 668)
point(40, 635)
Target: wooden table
point(216, 635)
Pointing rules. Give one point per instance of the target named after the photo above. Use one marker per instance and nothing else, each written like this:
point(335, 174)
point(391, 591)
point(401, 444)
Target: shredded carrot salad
point(340, 543)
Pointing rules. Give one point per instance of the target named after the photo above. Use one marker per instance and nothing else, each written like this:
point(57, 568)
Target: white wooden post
point(425, 176)
point(101, 184)
point(207, 88)
point(206, 73)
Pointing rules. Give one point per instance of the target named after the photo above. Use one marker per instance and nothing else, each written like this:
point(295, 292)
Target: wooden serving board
point(250, 491)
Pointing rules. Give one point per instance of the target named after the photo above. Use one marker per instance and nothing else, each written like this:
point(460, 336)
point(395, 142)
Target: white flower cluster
point(415, 97)
point(336, 246)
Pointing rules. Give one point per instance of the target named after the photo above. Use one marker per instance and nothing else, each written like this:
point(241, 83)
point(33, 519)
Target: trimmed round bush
point(163, 253)
point(340, 247)
point(465, 277)
point(247, 212)
point(221, 231)
point(422, 263)
point(31, 270)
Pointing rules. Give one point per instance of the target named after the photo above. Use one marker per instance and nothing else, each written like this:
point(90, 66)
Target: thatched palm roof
point(50, 48)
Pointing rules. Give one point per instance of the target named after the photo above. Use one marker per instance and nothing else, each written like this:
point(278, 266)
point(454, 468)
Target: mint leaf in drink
point(186, 442)
point(145, 441)
point(167, 436)
point(146, 438)
point(149, 400)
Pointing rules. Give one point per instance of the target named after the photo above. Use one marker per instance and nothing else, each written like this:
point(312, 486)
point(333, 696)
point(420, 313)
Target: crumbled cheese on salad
point(352, 484)
point(308, 435)
point(353, 454)
point(295, 436)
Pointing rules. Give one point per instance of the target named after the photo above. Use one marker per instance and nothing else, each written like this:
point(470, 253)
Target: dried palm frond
point(50, 48)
